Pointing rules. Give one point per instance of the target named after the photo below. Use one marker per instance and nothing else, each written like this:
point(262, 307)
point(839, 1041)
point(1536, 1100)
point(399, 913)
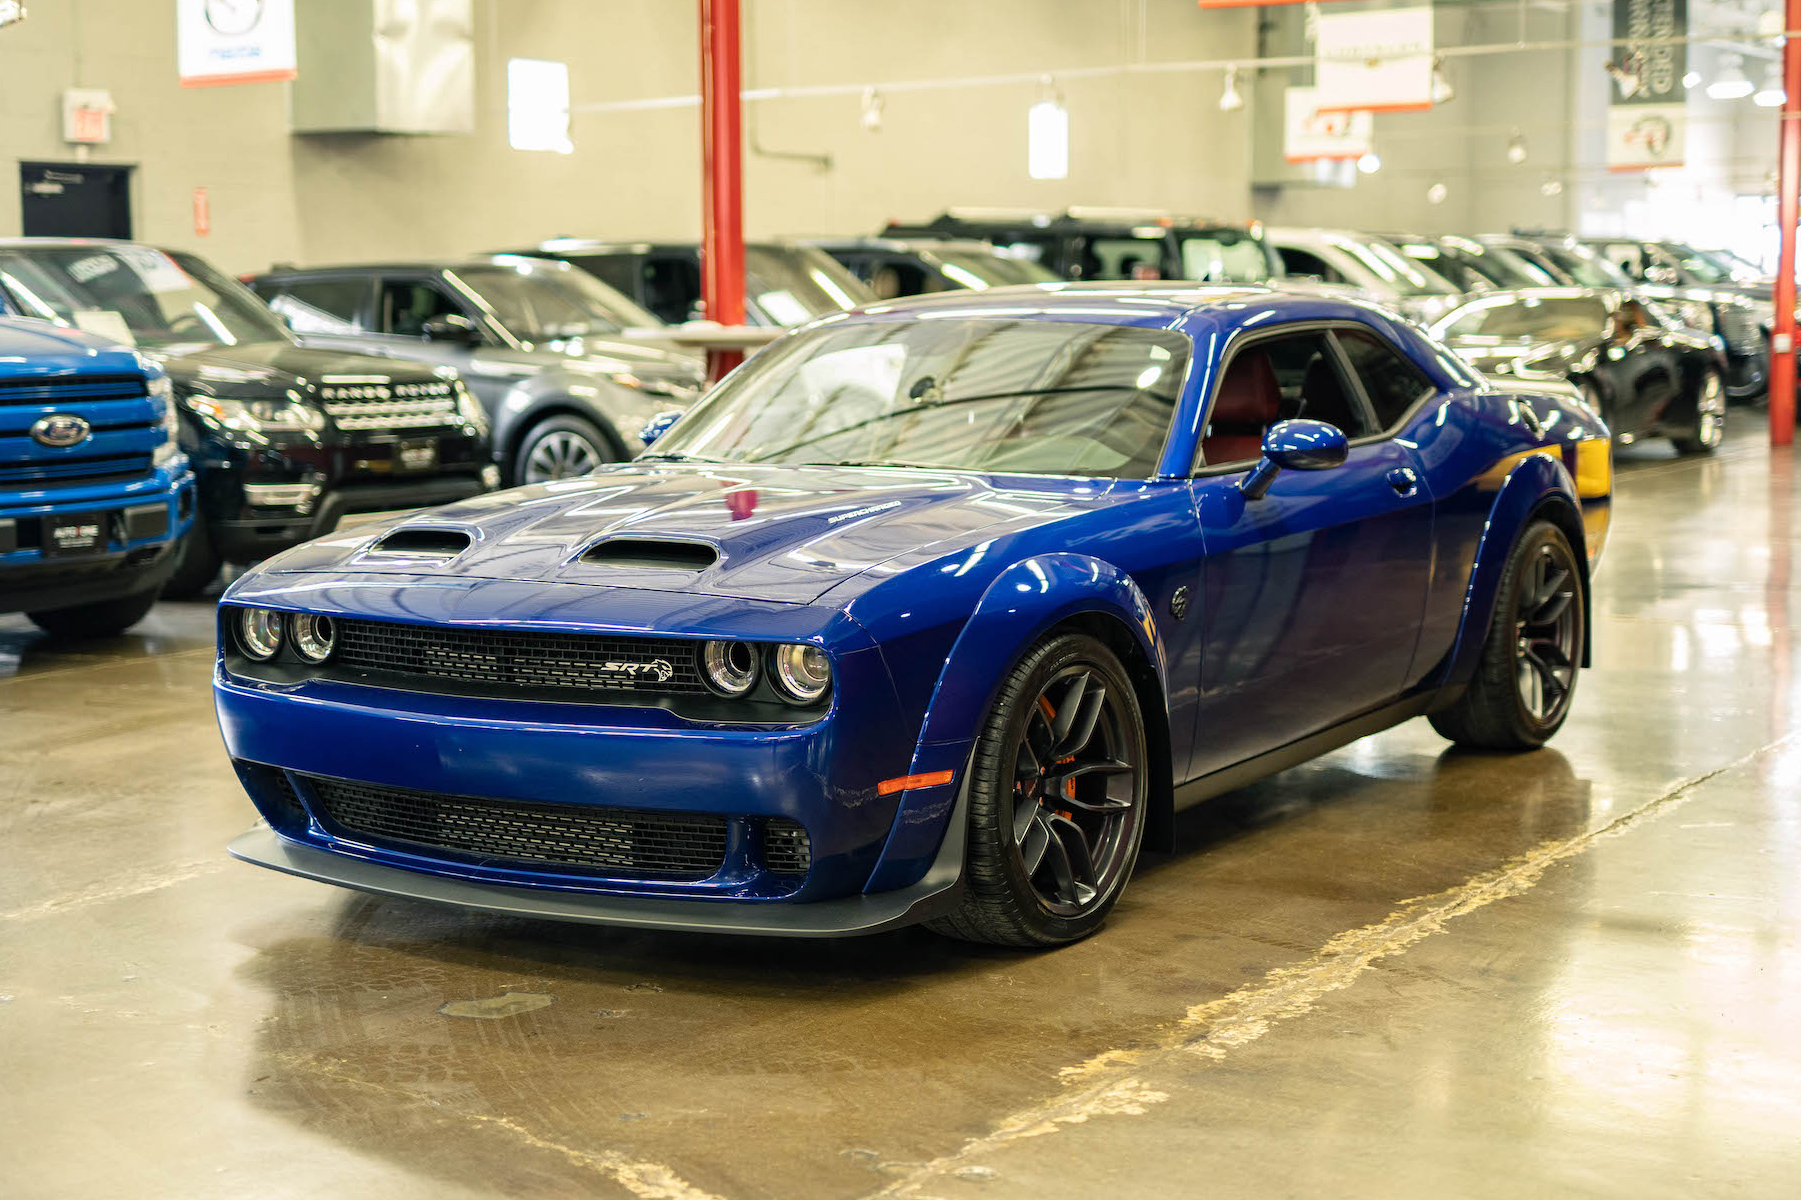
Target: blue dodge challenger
point(934, 611)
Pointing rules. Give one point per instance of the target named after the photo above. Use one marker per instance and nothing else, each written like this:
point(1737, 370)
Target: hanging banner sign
point(1256, 3)
point(1376, 61)
point(234, 41)
point(1648, 125)
point(1310, 135)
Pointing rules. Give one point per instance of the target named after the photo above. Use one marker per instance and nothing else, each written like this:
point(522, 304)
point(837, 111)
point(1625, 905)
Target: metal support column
point(1788, 188)
point(722, 173)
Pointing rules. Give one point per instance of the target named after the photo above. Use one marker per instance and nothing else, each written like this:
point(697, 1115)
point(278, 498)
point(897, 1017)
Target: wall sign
point(234, 41)
point(87, 116)
point(1377, 61)
point(1649, 127)
point(1310, 134)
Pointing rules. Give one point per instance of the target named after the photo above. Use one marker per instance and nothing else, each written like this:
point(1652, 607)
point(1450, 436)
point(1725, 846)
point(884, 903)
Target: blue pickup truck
point(95, 493)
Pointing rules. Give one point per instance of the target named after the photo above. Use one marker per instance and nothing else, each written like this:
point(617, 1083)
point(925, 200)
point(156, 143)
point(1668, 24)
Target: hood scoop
point(651, 554)
point(422, 543)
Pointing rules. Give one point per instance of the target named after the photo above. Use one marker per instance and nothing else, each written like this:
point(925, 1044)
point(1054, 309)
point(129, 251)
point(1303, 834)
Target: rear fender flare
point(1024, 602)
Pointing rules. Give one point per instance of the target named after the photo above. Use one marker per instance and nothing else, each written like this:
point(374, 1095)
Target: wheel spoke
point(1075, 845)
point(1067, 716)
point(1037, 840)
point(1549, 586)
point(1550, 609)
point(1081, 729)
point(1063, 874)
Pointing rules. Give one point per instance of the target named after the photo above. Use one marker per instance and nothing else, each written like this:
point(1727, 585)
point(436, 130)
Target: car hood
point(276, 367)
point(1533, 358)
point(783, 534)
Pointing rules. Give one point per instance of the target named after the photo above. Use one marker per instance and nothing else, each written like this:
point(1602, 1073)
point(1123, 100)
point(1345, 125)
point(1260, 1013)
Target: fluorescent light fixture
point(1733, 83)
point(1442, 91)
point(1370, 163)
point(538, 105)
point(1771, 94)
point(1231, 99)
point(1047, 140)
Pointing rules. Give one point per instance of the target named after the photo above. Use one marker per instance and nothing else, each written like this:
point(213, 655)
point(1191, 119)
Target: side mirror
point(1297, 445)
point(658, 425)
point(453, 328)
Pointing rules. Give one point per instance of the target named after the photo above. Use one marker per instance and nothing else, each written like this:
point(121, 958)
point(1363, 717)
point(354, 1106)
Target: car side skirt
point(1227, 779)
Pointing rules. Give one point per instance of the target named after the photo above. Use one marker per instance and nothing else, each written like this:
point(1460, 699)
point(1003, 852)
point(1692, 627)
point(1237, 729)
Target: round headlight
point(314, 638)
point(259, 632)
point(802, 673)
point(730, 668)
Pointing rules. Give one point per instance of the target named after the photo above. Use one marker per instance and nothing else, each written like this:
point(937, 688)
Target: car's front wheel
point(562, 447)
point(1057, 799)
point(1707, 428)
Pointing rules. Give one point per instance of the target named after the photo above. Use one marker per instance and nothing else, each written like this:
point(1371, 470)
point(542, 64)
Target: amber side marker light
point(932, 779)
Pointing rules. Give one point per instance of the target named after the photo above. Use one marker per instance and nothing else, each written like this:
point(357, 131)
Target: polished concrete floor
point(1398, 971)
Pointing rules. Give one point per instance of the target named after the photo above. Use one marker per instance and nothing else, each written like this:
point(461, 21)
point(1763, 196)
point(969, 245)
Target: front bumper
point(145, 523)
point(257, 533)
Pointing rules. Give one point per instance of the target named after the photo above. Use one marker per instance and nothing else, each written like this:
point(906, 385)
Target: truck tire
point(198, 566)
point(97, 618)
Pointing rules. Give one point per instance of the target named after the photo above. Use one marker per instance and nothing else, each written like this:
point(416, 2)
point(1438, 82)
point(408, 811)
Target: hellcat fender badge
point(1178, 603)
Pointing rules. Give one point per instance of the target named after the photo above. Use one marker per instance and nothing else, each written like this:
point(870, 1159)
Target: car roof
point(578, 245)
point(906, 245)
point(417, 265)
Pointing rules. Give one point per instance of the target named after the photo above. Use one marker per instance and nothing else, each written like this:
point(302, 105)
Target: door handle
point(1404, 480)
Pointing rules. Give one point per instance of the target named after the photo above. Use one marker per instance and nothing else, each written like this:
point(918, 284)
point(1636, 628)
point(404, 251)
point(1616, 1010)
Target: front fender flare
point(1023, 603)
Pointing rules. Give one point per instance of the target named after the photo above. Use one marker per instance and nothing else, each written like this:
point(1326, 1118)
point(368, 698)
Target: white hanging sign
point(1375, 61)
point(1646, 135)
point(1310, 135)
point(234, 41)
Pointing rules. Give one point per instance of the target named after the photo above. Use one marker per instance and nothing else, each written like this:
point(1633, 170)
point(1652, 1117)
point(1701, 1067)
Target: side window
point(321, 305)
point(406, 305)
point(1272, 380)
point(1392, 384)
point(671, 287)
point(1300, 262)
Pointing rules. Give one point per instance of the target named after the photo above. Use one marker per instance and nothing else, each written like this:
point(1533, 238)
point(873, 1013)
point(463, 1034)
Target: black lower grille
point(612, 841)
point(69, 472)
point(787, 850)
point(589, 662)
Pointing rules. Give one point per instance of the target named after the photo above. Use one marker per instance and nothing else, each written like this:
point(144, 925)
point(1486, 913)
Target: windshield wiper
point(672, 457)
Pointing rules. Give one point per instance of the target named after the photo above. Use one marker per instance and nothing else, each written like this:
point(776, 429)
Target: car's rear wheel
point(1057, 799)
point(1527, 677)
point(563, 447)
point(1707, 429)
point(97, 618)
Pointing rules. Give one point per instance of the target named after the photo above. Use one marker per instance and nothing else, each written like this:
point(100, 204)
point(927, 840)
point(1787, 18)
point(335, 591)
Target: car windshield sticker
point(104, 323)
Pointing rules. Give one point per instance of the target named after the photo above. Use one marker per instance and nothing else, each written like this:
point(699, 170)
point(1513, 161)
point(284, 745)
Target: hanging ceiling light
point(1436, 193)
point(1047, 135)
point(1625, 76)
point(1771, 94)
point(1690, 80)
point(1231, 99)
point(1733, 83)
point(1516, 148)
point(873, 104)
point(11, 12)
point(1370, 163)
point(1552, 186)
point(1442, 91)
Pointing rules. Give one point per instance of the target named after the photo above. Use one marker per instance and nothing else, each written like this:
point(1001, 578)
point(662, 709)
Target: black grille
point(588, 662)
point(612, 841)
point(53, 390)
point(68, 472)
point(787, 850)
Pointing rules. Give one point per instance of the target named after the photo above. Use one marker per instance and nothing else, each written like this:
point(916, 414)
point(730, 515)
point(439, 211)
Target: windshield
point(1585, 267)
point(1699, 267)
point(1224, 257)
point(1388, 264)
point(978, 270)
point(1741, 269)
point(794, 284)
point(136, 296)
point(540, 301)
point(1527, 319)
point(1026, 397)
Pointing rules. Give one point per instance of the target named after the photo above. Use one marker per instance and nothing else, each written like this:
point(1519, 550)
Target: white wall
point(1138, 139)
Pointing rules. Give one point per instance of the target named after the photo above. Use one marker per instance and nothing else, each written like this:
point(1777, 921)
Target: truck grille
point(534, 661)
point(72, 472)
point(391, 406)
point(613, 841)
point(60, 390)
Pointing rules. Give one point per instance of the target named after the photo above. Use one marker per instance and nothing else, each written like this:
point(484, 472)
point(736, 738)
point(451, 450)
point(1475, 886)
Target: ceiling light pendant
point(1771, 94)
point(873, 104)
point(1437, 193)
point(1370, 163)
point(1516, 148)
point(1733, 83)
point(1442, 91)
point(1231, 99)
point(1690, 80)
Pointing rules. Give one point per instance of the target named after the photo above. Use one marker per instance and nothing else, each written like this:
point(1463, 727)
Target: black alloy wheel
point(1057, 799)
point(1707, 429)
point(1526, 679)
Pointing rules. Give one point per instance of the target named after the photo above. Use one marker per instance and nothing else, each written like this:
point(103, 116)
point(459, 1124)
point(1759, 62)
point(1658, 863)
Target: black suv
point(918, 266)
point(285, 440)
point(543, 346)
point(784, 283)
point(1112, 244)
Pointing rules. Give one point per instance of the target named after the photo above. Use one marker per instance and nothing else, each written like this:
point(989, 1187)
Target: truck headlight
point(171, 424)
point(266, 416)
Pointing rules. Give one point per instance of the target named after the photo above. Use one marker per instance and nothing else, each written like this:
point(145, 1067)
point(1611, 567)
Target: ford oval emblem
point(60, 430)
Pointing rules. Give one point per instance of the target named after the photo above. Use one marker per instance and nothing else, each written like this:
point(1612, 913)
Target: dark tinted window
point(407, 305)
point(1301, 262)
point(319, 305)
point(1391, 382)
point(615, 270)
point(1275, 380)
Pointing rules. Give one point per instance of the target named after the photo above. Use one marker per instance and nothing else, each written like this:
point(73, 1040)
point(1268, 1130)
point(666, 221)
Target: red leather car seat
point(1246, 404)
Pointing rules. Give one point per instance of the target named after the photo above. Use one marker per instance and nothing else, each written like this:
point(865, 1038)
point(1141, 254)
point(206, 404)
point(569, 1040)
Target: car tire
point(98, 618)
point(561, 447)
point(1539, 619)
point(1707, 428)
point(1079, 817)
point(197, 568)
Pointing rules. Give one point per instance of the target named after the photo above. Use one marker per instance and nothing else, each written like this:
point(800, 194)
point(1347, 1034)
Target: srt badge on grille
point(654, 671)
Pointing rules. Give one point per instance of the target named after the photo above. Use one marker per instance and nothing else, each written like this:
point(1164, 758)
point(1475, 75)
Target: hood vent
point(422, 543)
point(649, 554)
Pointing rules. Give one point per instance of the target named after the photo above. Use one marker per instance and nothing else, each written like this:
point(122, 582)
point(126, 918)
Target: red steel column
point(1788, 189)
point(722, 172)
